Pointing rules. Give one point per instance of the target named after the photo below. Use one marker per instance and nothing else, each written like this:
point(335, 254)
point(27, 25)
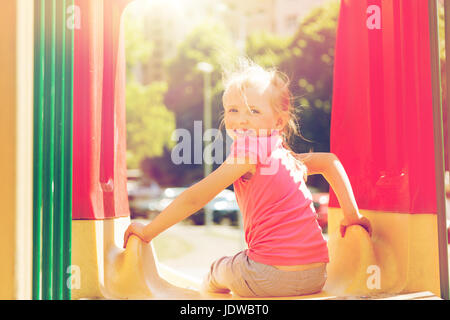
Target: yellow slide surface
point(400, 257)
point(132, 273)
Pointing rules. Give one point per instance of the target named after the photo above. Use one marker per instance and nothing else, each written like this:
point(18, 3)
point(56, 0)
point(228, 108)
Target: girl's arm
point(332, 170)
point(191, 200)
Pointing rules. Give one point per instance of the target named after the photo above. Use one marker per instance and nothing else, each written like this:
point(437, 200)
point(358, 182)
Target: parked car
point(224, 207)
point(166, 198)
point(320, 202)
point(140, 195)
point(224, 210)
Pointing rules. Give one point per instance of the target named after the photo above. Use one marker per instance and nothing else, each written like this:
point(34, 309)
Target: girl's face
point(257, 119)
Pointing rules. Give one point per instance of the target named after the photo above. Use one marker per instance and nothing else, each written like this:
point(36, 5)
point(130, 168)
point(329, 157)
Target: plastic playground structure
point(64, 197)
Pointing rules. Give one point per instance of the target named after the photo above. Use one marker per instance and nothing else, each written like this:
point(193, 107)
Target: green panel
point(49, 146)
point(52, 150)
point(39, 63)
point(67, 225)
point(58, 228)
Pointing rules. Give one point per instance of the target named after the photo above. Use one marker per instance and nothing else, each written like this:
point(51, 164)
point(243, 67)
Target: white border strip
point(24, 149)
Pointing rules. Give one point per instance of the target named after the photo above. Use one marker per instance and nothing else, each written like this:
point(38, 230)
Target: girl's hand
point(136, 229)
point(357, 220)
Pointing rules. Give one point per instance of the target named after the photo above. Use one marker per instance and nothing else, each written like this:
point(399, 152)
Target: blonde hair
point(247, 73)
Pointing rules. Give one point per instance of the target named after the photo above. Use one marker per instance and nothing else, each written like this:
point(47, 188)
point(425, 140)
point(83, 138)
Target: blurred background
point(176, 51)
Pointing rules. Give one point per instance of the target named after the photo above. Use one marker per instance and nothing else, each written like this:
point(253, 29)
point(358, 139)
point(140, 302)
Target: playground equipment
point(52, 166)
point(383, 134)
point(382, 130)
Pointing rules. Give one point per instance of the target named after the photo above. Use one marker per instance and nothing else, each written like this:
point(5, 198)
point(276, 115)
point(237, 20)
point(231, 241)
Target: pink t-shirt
point(280, 221)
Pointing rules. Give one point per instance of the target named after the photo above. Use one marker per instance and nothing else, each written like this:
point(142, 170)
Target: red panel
point(88, 75)
point(382, 122)
point(99, 167)
point(113, 172)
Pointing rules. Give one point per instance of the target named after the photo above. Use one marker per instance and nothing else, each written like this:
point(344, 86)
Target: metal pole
point(207, 168)
point(438, 147)
point(206, 69)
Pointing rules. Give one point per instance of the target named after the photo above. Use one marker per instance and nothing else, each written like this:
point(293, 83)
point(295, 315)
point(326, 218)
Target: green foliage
point(209, 42)
point(309, 66)
point(138, 49)
point(266, 49)
point(206, 43)
point(149, 123)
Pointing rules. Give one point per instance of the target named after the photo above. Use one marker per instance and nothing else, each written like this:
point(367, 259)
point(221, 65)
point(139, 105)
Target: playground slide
point(375, 132)
point(381, 130)
point(108, 271)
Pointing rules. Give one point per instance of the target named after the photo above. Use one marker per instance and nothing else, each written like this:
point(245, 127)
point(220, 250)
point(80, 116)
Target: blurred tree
point(309, 66)
point(149, 123)
point(208, 42)
point(138, 49)
point(266, 49)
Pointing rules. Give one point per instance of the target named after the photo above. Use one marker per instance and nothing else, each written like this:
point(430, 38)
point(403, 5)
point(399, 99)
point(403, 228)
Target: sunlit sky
point(181, 5)
point(190, 12)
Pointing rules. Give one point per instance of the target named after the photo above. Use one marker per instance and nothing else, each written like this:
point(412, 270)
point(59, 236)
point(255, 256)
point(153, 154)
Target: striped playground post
point(52, 162)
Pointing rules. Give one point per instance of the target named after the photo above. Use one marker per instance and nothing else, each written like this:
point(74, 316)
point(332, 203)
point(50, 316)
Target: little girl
point(287, 254)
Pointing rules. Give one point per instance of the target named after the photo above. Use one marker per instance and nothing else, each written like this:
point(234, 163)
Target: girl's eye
point(254, 111)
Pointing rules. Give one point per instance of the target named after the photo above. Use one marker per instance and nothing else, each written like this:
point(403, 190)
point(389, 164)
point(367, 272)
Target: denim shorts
point(248, 278)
